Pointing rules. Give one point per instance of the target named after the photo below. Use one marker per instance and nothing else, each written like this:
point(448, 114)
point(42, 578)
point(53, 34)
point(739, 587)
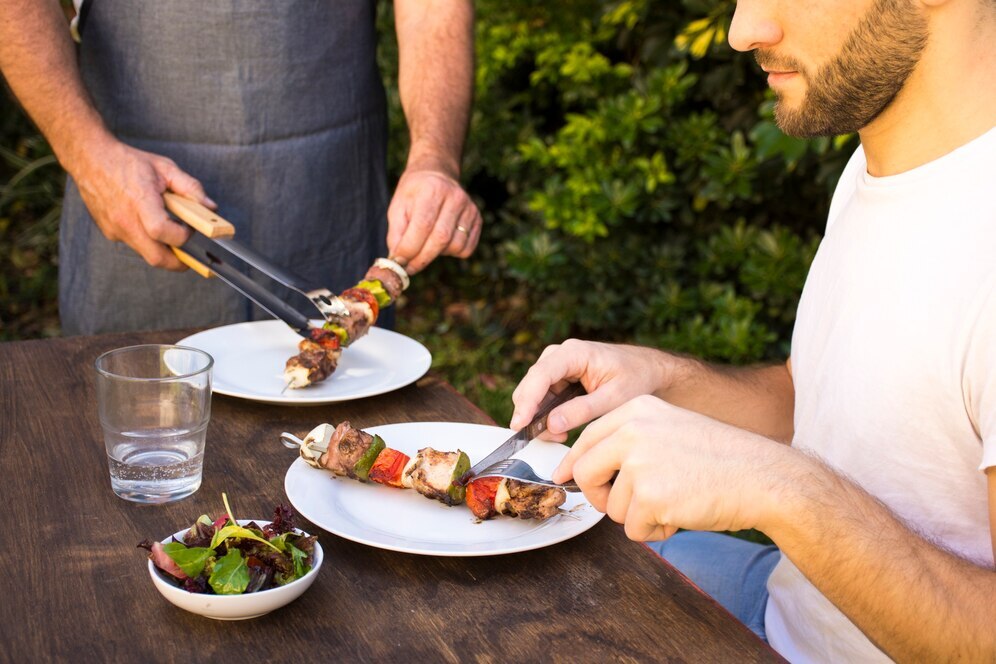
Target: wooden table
point(73, 586)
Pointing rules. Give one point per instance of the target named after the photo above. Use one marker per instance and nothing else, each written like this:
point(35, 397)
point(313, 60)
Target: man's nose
point(754, 26)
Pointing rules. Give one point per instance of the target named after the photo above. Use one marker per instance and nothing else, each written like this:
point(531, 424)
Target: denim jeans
point(732, 571)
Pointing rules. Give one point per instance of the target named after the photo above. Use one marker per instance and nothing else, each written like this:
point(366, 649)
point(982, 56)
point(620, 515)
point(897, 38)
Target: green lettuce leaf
point(299, 556)
point(237, 531)
point(230, 575)
point(190, 559)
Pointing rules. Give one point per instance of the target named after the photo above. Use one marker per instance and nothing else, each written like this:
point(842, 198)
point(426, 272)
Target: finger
point(397, 218)
point(581, 410)
point(640, 527)
point(423, 213)
point(552, 367)
point(154, 253)
point(601, 432)
point(156, 223)
point(441, 235)
point(475, 226)
point(595, 484)
point(183, 183)
point(610, 423)
point(462, 232)
point(620, 496)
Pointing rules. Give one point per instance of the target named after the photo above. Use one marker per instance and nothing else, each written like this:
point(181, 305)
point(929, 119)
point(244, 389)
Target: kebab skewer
point(354, 453)
point(319, 354)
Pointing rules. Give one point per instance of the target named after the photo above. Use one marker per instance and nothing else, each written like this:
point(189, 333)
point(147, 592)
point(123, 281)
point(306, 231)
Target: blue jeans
point(732, 571)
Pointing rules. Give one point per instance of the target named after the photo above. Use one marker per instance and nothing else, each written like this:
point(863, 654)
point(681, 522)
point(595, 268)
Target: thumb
point(578, 411)
point(397, 222)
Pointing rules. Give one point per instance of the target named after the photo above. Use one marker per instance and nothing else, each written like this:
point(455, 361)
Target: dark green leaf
point(299, 556)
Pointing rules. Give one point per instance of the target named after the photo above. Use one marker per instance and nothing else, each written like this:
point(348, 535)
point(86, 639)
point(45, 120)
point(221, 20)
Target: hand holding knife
point(524, 436)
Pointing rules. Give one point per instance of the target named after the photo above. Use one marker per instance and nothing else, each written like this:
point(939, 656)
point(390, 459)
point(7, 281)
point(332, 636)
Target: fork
point(517, 469)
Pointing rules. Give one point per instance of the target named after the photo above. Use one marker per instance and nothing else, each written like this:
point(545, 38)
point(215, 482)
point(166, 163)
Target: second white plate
point(249, 363)
point(404, 520)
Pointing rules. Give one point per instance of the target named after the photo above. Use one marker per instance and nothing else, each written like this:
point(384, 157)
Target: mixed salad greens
point(221, 557)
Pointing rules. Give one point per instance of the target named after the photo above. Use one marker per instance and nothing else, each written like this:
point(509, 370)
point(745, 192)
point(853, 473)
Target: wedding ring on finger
point(462, 229)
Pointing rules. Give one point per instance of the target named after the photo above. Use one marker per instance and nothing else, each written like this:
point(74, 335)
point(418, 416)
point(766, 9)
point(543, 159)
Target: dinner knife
point(525, 435)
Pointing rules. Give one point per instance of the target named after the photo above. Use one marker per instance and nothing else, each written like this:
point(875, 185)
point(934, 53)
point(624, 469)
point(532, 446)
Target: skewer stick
point(289, 383)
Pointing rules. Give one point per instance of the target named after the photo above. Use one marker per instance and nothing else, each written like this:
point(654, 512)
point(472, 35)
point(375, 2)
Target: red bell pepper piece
point(363, 295)
point(481, 497)
point(388, 466)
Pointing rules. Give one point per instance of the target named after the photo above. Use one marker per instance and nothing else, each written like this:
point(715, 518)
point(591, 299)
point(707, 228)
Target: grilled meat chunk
point(359, 321)
point(308, 366)
point(388, 279)
point(346, 447)
point(434, 474)
point(316, 361)
point(528, 501)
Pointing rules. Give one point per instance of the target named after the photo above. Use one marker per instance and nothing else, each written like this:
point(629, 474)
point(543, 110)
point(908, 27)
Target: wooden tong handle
point(203, 221)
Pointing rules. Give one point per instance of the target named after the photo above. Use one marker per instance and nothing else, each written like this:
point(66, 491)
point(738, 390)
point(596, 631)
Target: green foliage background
point(633, 185)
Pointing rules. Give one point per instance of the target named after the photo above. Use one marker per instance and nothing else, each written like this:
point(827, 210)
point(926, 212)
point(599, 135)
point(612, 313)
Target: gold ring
point(463, 230)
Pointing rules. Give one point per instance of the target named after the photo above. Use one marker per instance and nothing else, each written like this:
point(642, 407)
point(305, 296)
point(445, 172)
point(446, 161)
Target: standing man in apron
point(275, 108)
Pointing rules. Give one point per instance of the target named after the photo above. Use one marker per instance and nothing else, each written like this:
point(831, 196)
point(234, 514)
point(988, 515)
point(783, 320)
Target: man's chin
point(795, 123)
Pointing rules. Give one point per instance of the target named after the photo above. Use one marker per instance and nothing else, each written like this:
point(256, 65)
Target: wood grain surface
point(74, 587)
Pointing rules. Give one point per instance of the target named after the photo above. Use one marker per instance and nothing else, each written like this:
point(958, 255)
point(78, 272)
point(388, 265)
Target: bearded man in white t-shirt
point(868, 457)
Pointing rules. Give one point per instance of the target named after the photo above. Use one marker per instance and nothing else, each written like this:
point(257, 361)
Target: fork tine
point(520, 470)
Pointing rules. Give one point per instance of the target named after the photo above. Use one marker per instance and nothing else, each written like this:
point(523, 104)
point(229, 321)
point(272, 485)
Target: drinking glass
point(155, 403)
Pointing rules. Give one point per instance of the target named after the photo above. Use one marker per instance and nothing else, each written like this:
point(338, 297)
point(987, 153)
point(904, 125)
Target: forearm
point(38, 60)
point(760, 399)
point(435, 79)
point(913, 600)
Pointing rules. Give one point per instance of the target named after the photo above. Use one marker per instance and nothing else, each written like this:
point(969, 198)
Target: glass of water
point(155, 403)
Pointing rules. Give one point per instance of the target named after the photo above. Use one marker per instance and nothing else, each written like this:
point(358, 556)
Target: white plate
point(249, 363)
point(404, 520)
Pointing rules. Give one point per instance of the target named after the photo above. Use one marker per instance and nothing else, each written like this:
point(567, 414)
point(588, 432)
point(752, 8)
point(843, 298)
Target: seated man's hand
point(122, 188)
point(430, 215)
point(656, 468)
point(611, 373)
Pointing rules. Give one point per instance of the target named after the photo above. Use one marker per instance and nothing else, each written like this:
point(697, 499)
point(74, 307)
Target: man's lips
point(779, 77)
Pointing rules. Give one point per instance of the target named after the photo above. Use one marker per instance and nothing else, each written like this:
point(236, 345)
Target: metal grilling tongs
point(210, 251)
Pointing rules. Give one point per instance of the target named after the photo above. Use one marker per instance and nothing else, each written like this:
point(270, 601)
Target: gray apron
point(276, 107)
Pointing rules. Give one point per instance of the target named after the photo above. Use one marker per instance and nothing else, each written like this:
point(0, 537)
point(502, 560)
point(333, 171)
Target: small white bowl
point(235, 607)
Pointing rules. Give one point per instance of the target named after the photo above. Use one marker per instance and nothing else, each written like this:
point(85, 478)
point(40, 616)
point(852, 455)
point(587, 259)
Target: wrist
point(674, 372)
point(424, 158)
point(794, 493)
point(80, 145)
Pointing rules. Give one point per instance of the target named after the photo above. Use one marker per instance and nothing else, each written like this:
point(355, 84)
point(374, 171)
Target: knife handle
point(551, 401)
point(202, 220)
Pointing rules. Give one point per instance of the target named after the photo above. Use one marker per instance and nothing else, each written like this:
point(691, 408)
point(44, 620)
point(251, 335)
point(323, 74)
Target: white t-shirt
point(894, 365)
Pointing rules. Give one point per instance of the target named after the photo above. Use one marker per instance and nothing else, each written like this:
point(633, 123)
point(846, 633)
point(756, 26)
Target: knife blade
point(525, 435)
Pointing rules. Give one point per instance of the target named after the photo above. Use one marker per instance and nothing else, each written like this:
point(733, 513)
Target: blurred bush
point(634, 188)
point(31, 183)
point(633, 184)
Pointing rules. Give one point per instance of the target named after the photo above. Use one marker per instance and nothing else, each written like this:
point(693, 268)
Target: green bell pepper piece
point(366, 462)
point(377, 290)
point(456, 492)
point(340, 332)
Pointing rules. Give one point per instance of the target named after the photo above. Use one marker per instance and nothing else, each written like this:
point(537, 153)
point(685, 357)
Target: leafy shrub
point(30, 202)
point(633, 183)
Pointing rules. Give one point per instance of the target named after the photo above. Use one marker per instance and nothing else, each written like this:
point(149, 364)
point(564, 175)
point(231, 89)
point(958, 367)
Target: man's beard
point(850, 91)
